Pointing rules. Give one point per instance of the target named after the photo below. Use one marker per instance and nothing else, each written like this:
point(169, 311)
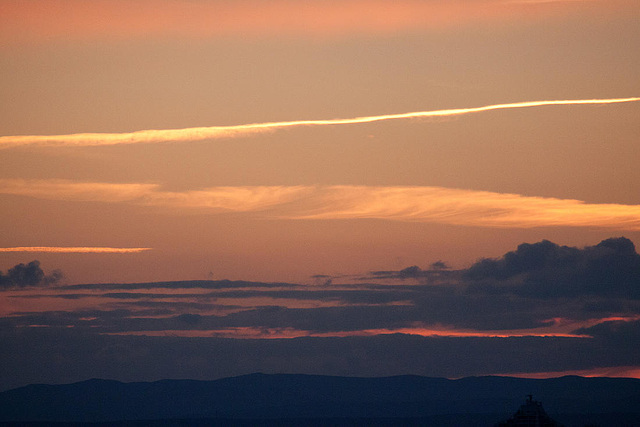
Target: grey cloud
point(438, 271)
point(28, 275)
point(522, 290)
point(464, 313)
point(351, 296)
point(188, 284)
point(97, 321)
point(118, 296)
point(361, 295)
point(175, 306)
point(547, 270)
point(619, 331)
point(189, 318)
point(439, 265)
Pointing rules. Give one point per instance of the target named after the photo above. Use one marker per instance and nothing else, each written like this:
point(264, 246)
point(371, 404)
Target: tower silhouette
point(530, 414)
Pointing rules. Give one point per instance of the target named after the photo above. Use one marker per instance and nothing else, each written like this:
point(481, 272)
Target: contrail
point(215, 132)
point(77, 250)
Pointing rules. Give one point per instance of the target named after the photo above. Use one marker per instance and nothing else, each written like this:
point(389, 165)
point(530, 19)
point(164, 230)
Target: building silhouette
point(530, 414)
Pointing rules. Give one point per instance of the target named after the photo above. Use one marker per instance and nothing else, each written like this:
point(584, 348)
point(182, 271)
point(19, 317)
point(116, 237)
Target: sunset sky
point(353, 187)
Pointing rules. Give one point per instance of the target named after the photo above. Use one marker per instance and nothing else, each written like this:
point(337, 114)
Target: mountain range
point(322, 400)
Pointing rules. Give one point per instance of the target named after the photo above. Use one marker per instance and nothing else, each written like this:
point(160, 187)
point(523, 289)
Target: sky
point(200, 189)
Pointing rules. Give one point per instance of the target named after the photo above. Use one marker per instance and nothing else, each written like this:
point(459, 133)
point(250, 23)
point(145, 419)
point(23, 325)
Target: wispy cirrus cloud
point(231, 199)
point(216, 199)
point(466, 207)
point(74, 250)
point(215, 132)
point(409, 203)
point(59, 189)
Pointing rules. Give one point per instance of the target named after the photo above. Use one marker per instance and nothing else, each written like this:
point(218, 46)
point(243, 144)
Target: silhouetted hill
point(328, 400)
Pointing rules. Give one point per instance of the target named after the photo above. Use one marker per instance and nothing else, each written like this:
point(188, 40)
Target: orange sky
point(120, 71)
point(317, 143)
point(76, 19)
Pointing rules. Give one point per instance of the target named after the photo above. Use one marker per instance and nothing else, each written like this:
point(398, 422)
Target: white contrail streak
point(214, 132)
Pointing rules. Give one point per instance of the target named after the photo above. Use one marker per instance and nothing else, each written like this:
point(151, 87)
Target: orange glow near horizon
point(564, 324)
point(560, 330)
point(611, 372)
point(290, 333)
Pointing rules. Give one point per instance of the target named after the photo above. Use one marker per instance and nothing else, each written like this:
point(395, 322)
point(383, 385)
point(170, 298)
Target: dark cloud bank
point(525, 289)
point(29, 275)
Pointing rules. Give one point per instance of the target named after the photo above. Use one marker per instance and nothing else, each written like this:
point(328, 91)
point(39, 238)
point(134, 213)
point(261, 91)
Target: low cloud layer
point(540, 288)
point(541, 295)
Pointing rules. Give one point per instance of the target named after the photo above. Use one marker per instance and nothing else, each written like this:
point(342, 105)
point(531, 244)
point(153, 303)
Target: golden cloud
point(410, 203)
point(74, 250)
